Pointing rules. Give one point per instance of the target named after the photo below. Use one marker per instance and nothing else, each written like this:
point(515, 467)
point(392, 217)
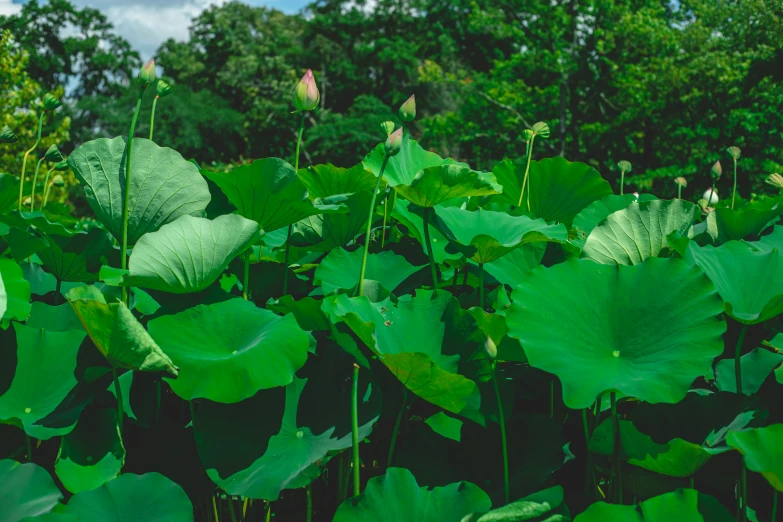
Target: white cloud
point(8, 8)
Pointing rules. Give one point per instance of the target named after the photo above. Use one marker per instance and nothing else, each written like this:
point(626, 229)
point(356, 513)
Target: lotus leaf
point(725, 224)
point(682, 505)
point(76, 258)
point(14, 293)
point(26, 490)
point(597, 211)
point(756, 367)
point(762, 449)
point(327, 180)
point(543, 506)
point(339, 270)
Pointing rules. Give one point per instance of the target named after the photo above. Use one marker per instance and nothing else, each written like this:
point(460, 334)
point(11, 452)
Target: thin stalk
point(46, 188)
point(774, 516)
point(712, 191)
point(427, 211)
point(245, 505)
point(26, 154)
point(215, 509)
point(679, 191)
point(527, 170)
point(125, 205)
point(152, 116)
point(502, 420)
point(466, 272)
point(309, 491)
point(355, 429)
point(618, 487)
point(246, 275)
point(481, 285)
point(35, 180)
point(29, 445)
point(622, 181)
point(733, 194)
point(369, 226)
point(744, 493)
point(268, 511)
point(385, 208)
point(737, 354)
point(118, 392)
point(231, 512)
point(291, 227)
point(397, 424)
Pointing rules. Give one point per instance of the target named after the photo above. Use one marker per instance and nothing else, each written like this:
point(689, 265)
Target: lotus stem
point(589, 465)
point(502, 420)
point(355, 429)
point(679, 191)
point(385, 208)
point(481, 285)
point(152, 116)
point(245, 505)
point(26, 154)
point(309, 492)
point(268, 511)
point(527, 170)
point(231, 512)
point(774, 516)
point(35, 180)
point(427, 211)
point(369, 226)
point(744, 494)
point(397, 423)
point(618, 486)
point(734, 193)
point(291, 227)
point(118, 393)
point(57, 293)
point(246, 275)
point(466, 272)
point(215, 509)
point(46, 188)
point(737, 354)
point(692, 482)
point(622, 181)
point(712, 191)
point(126, 201)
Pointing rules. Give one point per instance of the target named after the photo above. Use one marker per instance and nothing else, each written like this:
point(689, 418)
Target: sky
point(148, 23)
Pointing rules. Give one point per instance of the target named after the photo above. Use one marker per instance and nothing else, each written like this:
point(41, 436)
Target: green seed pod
point(716, 170)
point(162, 89)
point(388, 127)
point(393, 142)
point(147, 74)
point(58, 181)
point(734, 152)
point(51, 102)
point(528, 134)
point(624, 166)
point(776, 180)
point(306, 95)
point(61, 166)
point(491, 349)
point(7, 135)
point(541, 129)
point(681, 181)
point(53, 154)
point(407, 110)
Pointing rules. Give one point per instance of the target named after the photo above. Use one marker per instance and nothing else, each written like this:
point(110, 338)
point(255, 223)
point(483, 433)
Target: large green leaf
point(26, 490)
point(762, 449)
point(14, 293)
point(682, 505)
point(129, 498)
point(402, 168)
point(44, 222)
point(772, 241)
point(404, 213)
point(725, 224)
point(324, 232)
point(121, 339)
point(750, 282)
point(92, 453)
point(756, 366)
point(542, 506)
point(485, 236)
point(228, 351)
point(631, 235)
point(281, 438)
point(327, 180)
point(44, 376)
point(597, 211)
point(396, 497)
point(646, 331)
point(77, 258)
point(409, 337)
point(512, 268)
point(269, 192)
point(163, 185)
point(340, 269)
point(190, 254)
point(9, 192)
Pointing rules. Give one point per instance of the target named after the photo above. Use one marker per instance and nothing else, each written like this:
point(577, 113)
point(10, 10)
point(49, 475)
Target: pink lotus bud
point(306, 95)
point(147, 74)
point(407, 110)
point(393, 142)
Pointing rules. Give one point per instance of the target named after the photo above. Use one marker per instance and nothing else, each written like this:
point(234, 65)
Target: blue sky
point(147, 23)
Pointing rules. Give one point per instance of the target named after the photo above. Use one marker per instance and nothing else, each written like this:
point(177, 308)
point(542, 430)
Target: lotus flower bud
point(734, 152)
point(58, 181)
point(61, 166)
point(147, 74)
point(528, 134)
point(407, 110)
point(388, 127)
point(681, 181)
point(776, 180)
point(162, 89)
point(51, 102)
point(541, 129)
point(7, 135)
point(306, 95)
point(716, 170)
point(710, 196)
point(53, 154)
point(624, 166)
point(491, 349)
point(393, 142)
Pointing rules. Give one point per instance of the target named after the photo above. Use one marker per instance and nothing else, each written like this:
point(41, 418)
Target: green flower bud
point(306, 95)
point(734, 152)
point(541, 129)
point(716, 170)
point(528, 135)
point(388, 127)
point(162, 89)
point(53, 154)
point(147, 74)
point(7, 135)
point(393, 142)
point(61, 166)
point(681, 181)
point(407, 110)
point(51, 102)
point(491, 349)
point(58, 181)
point(624, 166)
point(776, 180)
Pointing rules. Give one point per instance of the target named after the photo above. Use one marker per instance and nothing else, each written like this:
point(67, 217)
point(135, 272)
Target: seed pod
point(407, 110)
point(541, 129)
point(776, 180)
point(7, 135)
point(528, 134)
point(61, 166)
point(388, 127)
point(681, 181)
point(393, 142)
point(162, 89)
point(624, 166)
point(53, 154)
point(306, 95)
point(58, 181)
point(51, 102)
point(734, 152)
point(147, 74)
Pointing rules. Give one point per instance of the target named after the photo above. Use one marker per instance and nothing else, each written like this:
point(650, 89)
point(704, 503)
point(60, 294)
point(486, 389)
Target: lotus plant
point(734, 152)
point(7, 135)
point(538, 129)
point(57, 181)
point(162, 89)
point(50, 103)
point(625, 167)
point(681, 183)
point(388, 128)
point(53, 156)
point(407, 111)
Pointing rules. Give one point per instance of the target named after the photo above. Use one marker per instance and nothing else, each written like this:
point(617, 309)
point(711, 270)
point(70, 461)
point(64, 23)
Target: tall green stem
point(246, 275)
point(231, 512)
point(527, 170)
point(355, 429)
point(502, 420)
point(733, 194)
point(46, 188)
point(152, 116)
point(309, 492)
point(481, 285)
point(712, 191)
point(737, 355)
point(35, 180)
point(397, 424)
point(385, 212)
point(118, 393)
point(126, 201)
point(369, 225)
point(622, 181)
point(215, 509)
point(618, 485)
point(427, 211)
point(679, 191)
point(26, 154)
point(744, 494)
point(291, 227)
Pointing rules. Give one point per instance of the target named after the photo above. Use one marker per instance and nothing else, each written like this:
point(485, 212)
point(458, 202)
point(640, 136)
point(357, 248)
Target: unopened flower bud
point(711, 196)
point(58, 181)
point(624, 166)
point(388, 127)
point(681, 181)
point(734, 152)
point(528, 133)
point(147, 74)
point(541, 129)
point(393, 142)
point(51, 102)
point(162, 89)
point(61, 166)
point(7, 135)
point(716, 170)
point(491, 349)
point(407, 110)
point(306, 95)
point(53, 154)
